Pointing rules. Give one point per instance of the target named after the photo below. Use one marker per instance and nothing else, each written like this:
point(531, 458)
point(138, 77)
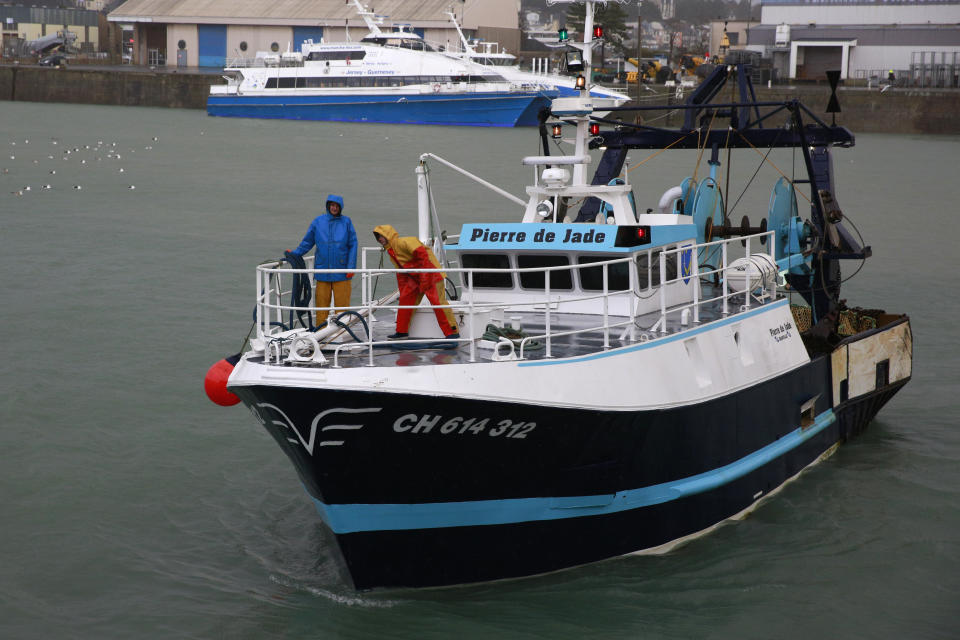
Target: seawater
point(132, 507)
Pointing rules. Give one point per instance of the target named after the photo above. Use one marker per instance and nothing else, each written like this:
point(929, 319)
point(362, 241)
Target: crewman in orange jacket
point(410, 253)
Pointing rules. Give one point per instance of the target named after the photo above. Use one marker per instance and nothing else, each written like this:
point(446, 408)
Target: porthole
point(182, 44)
point(243, 46)
point(274, 47)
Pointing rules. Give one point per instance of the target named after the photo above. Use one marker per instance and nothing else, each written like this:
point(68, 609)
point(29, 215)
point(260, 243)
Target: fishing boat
point(387, 77)
point(632, 367)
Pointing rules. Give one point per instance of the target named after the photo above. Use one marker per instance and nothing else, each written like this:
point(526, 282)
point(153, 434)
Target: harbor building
point(204, 33)
point(918, 41)
point(30, 26)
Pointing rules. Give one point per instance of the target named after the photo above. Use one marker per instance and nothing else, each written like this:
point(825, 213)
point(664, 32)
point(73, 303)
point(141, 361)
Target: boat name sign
point(526, 236)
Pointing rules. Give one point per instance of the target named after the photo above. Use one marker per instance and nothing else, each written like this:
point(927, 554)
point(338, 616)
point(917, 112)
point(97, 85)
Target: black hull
point(744, 445)
point(457, 555)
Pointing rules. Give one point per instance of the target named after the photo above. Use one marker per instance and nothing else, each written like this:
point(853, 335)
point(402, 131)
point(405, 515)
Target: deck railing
point(274, 317)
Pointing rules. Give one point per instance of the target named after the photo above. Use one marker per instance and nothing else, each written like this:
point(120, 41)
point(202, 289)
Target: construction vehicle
point(651, 71)
point(689, 64)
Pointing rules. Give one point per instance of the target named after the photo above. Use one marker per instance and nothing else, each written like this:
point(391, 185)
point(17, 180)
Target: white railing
point(275, 318)
point(721, 271)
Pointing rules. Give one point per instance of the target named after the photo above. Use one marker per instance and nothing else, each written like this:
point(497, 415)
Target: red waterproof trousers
point(410, 294)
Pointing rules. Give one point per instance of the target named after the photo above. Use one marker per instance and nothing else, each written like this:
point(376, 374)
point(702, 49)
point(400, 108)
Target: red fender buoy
point(215, 382)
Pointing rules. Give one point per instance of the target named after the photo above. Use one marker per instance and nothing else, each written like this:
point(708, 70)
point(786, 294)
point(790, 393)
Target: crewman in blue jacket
point(333, 235)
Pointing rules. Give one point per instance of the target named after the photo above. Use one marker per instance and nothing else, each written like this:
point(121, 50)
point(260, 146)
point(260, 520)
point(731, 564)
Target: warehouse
point(918, 40)
point(204, 33)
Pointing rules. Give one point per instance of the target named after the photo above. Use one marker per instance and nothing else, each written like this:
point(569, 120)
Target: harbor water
point(132, 507)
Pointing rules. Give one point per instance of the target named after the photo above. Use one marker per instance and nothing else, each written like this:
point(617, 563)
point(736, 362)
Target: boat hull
point(480, 110)
point(456, 555)
point(426, 490)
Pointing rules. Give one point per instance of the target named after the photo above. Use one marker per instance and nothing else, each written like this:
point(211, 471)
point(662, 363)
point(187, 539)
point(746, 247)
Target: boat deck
point(570, 335)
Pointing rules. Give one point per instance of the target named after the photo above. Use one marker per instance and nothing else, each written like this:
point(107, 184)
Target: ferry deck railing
point(270, 309)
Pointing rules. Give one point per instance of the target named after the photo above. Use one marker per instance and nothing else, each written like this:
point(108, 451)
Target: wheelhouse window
point(487, 261)
point(591, 278)
point(648, 268)
point(559, 280)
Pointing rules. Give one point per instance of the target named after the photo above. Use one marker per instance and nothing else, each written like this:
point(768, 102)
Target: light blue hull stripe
point(710, 326)
point(350, 518)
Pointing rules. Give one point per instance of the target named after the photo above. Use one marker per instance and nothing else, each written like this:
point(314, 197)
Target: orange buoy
point(215, 382)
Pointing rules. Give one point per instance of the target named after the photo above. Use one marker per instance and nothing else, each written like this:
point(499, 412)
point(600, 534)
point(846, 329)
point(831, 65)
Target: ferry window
point(538, 280)
point(287, 83)
point(487, 261)
point(274, 47)
point(591, 278)
point(337, 55)
point(271, 83)
point(243, 45)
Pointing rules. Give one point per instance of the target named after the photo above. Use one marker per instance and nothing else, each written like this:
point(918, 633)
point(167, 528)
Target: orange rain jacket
point(410, 253)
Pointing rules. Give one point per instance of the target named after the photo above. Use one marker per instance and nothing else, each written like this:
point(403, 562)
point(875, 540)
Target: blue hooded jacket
point(335, 240)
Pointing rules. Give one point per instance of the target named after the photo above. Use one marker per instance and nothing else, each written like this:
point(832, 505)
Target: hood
point(334, 198)
point(387, 232)
point(403, 248)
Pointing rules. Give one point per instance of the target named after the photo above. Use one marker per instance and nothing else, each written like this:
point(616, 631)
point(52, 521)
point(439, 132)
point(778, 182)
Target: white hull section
point(687, 368)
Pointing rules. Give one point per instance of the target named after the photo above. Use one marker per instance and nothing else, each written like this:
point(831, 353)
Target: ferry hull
point(416, 499)
point(481, 110)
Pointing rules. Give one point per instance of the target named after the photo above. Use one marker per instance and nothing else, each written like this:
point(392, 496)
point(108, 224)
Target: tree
point(610, 15)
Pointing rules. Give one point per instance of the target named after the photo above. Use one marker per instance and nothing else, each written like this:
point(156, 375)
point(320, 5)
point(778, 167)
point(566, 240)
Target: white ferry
point(390, 77)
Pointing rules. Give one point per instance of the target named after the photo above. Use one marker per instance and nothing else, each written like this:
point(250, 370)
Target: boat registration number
point(460, 425)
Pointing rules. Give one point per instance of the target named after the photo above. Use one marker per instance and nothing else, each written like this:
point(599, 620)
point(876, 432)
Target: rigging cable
point(754, 176)
point(774, 166)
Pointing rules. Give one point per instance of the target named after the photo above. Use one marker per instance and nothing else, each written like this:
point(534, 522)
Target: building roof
point(279, 12)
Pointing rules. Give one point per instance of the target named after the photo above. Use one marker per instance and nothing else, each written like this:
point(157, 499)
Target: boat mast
point(368, 18)
point(582, 106)
point(467, 48)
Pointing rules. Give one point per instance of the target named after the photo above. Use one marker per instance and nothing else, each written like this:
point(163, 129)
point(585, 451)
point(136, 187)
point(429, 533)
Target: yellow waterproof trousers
point(340, 291)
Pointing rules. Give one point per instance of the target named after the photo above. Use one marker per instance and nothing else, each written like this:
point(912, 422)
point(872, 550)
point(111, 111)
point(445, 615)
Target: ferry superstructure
point(506, 64)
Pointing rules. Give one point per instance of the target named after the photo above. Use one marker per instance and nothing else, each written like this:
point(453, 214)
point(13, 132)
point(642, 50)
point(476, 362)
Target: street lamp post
point(639, 46)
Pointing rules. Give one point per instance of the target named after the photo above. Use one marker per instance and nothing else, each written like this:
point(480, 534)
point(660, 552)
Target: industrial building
point(918, 40)
point(204, 33)
point(34, 21)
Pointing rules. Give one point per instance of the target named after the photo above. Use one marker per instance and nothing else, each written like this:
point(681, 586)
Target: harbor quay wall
point(904, 111)
point(897, 110)
point(140, 87)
